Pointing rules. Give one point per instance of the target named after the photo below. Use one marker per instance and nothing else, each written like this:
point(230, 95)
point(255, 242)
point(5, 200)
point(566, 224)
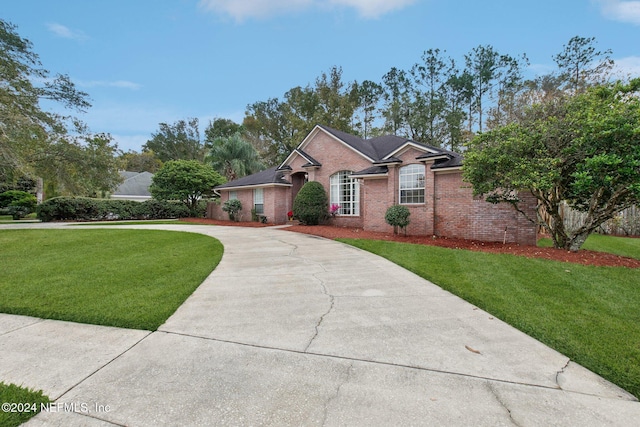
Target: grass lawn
point(624, 246)
point(28, 400)
point(124, 278)
point(590, 314)
point(8, 219)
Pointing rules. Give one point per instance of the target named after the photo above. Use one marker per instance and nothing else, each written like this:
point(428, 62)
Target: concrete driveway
point(293, 329)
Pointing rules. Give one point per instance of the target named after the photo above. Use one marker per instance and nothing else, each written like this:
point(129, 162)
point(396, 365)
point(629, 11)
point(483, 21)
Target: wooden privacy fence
point(625, 223)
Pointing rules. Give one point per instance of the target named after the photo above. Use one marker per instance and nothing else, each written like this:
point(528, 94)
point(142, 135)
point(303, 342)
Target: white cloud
point(627, 67)
point(373, 8)
point(65, 32)
point(623, 11)
point(123, 84)
point(242, 10)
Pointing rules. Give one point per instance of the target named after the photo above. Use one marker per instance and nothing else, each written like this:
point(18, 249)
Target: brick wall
point(334, 157)
point(449, 210)
point(277, 202)
point(458, 214)
point(214, 209)
point(377, 196)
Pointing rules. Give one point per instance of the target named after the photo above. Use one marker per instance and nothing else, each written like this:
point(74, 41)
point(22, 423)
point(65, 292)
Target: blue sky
point(149, 61)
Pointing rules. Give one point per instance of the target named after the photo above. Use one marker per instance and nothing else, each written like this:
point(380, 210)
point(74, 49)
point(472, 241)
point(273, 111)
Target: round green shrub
point(398, 217)
point(311, 204)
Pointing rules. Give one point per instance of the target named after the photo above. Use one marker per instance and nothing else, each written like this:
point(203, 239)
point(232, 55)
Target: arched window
point(345, 191)
point(412, 184)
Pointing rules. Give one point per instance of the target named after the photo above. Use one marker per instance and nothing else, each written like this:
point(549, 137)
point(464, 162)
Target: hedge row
point(86, 209)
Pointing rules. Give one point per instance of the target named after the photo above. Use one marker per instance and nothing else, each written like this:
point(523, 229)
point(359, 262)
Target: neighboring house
point(366, 176)
point(134, 187)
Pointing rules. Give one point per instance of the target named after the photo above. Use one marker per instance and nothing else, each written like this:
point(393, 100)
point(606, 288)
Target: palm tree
point(234, 157)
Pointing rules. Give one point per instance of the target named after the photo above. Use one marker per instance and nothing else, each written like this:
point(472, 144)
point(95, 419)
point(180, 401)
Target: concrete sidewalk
point(293, 329)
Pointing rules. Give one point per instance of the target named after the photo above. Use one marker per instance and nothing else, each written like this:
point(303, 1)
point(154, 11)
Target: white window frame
point(412, 185)
point(345, 191)
point(258, 200)
point(233, 195)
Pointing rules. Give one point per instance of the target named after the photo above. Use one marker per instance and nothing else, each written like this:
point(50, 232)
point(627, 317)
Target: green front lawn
point(590, 314)
point(624, 246)
point(124, 278)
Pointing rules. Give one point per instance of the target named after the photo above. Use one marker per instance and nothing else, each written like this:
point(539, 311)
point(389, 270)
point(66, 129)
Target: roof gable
point(352, 142)
point(134, 184)
point(407, 145)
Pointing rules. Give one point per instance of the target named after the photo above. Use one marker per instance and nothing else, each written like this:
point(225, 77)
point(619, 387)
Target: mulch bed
point(584, 257)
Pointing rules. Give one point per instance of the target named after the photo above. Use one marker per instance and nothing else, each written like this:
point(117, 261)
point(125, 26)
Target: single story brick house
point(366, 176)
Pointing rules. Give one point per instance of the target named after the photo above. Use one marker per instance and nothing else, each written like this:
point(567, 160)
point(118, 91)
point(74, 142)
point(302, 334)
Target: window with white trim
point(412, 184)
point(233, 195)
point(345, 191)
point(258, 200)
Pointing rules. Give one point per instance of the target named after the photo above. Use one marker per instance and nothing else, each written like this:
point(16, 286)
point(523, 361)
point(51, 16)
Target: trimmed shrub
point(86, 209)
point(311, 204)
point(68, 209)
point(398, 217)
point(158, 209)
point(18, 203)
point(232, 207)
point(11, 196)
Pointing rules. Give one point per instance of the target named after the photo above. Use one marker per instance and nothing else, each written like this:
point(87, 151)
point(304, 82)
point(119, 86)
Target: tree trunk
point(576, 242)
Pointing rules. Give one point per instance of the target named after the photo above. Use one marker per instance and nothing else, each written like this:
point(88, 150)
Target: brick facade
point(459, 214)
point(449, 210)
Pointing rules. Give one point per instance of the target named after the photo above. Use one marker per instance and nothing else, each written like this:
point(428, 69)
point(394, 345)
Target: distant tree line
point(439, 101)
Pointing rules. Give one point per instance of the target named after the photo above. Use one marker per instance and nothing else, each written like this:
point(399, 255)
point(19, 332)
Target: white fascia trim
point(377, 175)
point(288, 159)
point(451, 169)
point(300, 146)
point(408, 144)
point(434, 158)
point(301, 154)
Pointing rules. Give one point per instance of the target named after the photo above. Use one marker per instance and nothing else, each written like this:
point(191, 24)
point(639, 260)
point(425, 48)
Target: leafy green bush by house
point(398, 217)
point(311, 204)
point(233, 208)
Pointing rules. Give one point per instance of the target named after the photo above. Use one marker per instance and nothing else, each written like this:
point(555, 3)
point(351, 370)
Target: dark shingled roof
point(376, 149)
point(380, 147)
point(312, 161)
point(374, 170)
point(134, 184)
point(355, 142)
point(454, 162)
point(269, 176)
